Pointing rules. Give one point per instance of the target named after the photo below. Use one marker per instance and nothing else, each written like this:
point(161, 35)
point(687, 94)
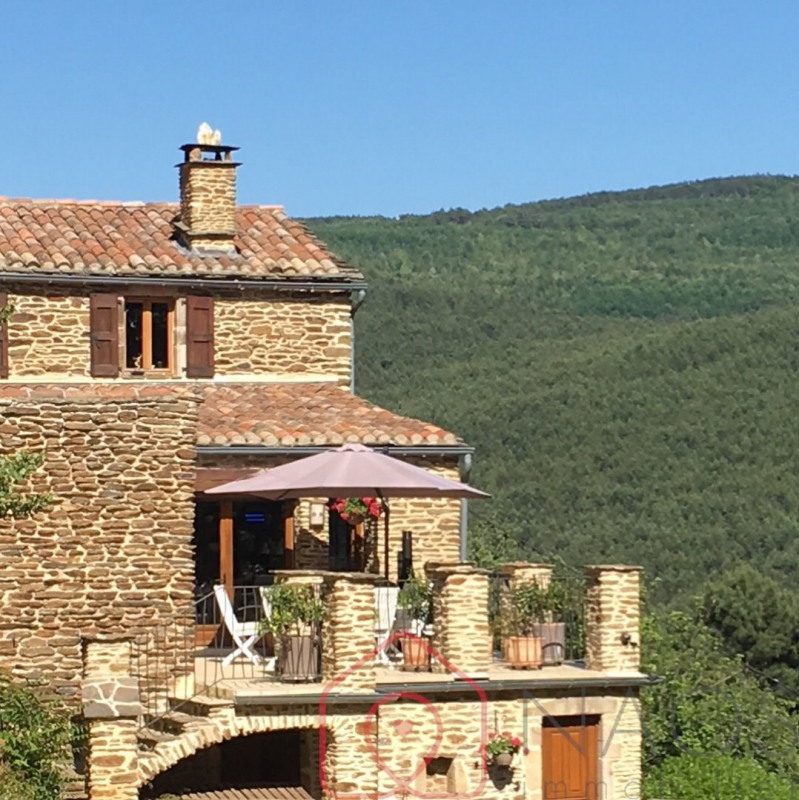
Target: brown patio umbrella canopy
point(351, 470)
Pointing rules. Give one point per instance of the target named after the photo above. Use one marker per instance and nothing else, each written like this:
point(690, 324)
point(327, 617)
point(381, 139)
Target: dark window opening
point(160, 336)
point(134, 340)
point(148, 335)
point(258, 544)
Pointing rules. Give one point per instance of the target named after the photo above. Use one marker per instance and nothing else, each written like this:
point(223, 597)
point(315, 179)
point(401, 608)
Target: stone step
point(150, 738)
point(200, 706)
point(174, 722)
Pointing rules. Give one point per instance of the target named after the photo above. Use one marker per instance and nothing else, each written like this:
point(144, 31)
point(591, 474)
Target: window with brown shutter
point(104, 336)
point(3, 338)
point(199, 337)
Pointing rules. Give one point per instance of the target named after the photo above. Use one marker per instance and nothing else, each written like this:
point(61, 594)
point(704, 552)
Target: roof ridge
point(71, 201)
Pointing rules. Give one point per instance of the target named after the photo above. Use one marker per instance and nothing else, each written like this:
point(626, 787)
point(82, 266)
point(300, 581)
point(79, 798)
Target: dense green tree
point(759, 618)
point(624, 363)
point(715, 778)
point(707, 702)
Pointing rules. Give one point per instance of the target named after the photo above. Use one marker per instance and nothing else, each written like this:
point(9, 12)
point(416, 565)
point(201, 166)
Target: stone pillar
point(350, 771)
point(110, 697)
point(612, 618)
point(522, 573)
point(348, 631)
point(461, 633)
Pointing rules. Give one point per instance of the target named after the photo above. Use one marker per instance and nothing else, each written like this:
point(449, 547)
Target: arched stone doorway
point(285, 759)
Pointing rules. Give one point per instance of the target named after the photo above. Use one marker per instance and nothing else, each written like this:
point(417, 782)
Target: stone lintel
point(454, 568)
point(350, 577)
point(106, 637)
point(594, 568)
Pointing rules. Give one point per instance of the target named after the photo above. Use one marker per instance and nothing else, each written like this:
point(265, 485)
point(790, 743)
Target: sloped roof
point(288, 414)
point(259, 414)
point(104, 239)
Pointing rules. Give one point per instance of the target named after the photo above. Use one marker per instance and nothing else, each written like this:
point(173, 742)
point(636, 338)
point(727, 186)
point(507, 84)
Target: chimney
point(208, 194)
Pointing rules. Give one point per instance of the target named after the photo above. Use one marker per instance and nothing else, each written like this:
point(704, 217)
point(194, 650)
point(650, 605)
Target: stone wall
point(297, 337)
point(422, 743)
point(113, 552)
point(436, 746)
point(268, 334)
point(48, 335)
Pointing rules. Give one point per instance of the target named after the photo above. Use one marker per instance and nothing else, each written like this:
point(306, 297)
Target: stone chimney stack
point(208, 193)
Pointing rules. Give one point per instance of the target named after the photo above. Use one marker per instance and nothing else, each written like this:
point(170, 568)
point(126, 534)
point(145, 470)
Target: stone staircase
point(187, 727)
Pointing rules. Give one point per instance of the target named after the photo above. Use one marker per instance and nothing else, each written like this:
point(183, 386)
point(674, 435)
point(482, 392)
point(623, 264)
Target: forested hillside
point(624, 363)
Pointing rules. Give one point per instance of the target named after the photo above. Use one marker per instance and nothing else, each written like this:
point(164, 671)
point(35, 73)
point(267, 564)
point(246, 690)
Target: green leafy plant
point(35, 740)
point(415, 598)
point(292, 609)
point(528, 607)
point(720, 777)
point(499, 743)
point(14, 470)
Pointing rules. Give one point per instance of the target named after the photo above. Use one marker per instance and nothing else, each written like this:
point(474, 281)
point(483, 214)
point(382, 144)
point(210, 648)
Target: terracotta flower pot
point(414, 653)
point(354, 519)
point(524, 652)
point(503, 759)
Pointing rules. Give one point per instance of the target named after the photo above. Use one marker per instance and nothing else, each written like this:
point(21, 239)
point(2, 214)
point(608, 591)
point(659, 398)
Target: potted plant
point(501, 747)
point(293, 619)
point(414, 599)
point(355, 510)
point(552, 629)
point(523, 644)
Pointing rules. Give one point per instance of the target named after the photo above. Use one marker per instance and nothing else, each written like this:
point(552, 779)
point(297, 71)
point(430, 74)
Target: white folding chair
point(385, 616)
point(244, 634)
point(266, 605)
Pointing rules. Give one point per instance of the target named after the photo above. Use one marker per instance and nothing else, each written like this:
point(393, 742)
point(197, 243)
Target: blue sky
point(397, 106)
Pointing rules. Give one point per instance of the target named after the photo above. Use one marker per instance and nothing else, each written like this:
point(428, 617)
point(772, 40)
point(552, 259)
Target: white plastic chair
point(385, 616)
point(244, 634)
point(266, 605)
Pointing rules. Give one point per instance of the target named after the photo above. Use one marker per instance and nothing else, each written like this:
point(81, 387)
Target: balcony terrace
point(357, 645)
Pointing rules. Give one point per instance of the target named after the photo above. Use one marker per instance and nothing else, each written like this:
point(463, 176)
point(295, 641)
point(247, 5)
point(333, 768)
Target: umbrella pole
point(386, 514)
point(385, 541)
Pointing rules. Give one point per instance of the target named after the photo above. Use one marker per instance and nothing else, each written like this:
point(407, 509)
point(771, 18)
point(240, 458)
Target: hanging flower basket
point(355, 510)
point(501, 747)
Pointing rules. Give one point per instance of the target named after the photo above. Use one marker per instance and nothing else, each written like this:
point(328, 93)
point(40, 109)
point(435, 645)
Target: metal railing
point(191, 654)
point(561, 602)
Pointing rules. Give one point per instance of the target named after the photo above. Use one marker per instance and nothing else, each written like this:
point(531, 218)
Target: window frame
point(147, 369)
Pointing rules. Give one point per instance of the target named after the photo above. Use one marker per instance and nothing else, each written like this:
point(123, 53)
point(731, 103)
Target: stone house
point(155, 351)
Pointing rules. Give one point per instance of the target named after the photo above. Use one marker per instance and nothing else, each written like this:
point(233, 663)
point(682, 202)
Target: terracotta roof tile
point(269, 415)
point(305, 414)
point(99, 239)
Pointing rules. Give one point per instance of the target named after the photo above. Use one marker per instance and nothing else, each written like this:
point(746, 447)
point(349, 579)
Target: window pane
point(133, 335)
point(160, 337)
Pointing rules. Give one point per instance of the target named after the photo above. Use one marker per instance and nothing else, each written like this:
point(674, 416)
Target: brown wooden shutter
point(104, 336)
point(199, 337)
point(3, 339)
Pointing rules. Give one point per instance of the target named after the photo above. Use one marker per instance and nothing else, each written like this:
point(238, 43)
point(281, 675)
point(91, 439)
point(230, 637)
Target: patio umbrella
point(351, 470)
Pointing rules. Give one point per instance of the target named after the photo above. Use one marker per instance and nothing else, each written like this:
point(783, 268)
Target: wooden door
point(570, 766)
